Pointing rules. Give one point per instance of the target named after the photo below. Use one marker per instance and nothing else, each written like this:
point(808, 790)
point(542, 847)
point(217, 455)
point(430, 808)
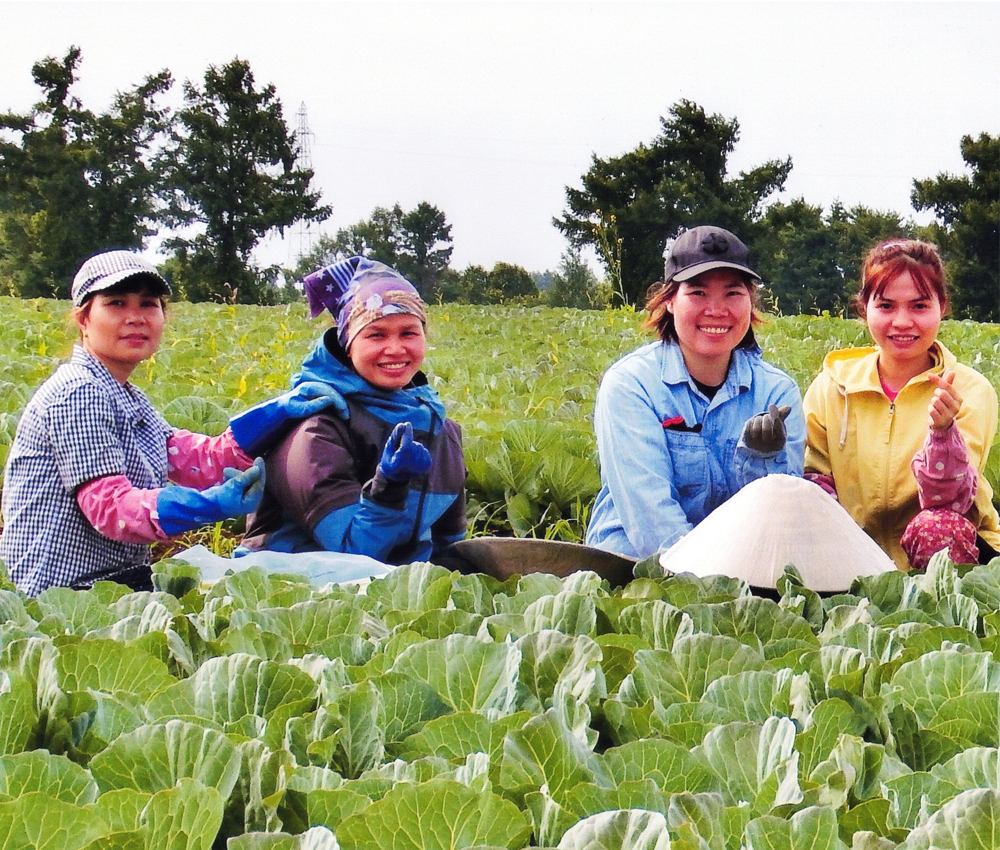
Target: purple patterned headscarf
point(359, 291)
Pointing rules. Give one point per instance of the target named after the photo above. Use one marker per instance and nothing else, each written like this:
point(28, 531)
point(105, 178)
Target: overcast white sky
point(489, 110)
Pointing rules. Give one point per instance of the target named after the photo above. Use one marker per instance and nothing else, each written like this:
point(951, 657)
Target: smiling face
point(388, 352)
point(121, 329)
point(712, 314)
point(903, 321)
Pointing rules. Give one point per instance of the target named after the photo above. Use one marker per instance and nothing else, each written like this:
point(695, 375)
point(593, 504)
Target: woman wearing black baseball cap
point(686, 421)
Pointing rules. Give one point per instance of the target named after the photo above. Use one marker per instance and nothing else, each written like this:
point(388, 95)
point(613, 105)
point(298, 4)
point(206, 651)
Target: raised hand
point(945, 403)
point(765, 432)
point(403, 457)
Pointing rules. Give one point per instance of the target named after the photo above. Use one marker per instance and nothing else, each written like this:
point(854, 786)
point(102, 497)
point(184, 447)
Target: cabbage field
point(430, 710)
point(520, 381)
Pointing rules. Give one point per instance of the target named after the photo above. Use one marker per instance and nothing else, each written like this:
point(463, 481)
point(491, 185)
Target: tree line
point(219, 174)
point(630, 206)
point(418, 243)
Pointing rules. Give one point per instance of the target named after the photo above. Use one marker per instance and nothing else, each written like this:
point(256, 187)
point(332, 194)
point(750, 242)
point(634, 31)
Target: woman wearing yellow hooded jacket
point(900, 432)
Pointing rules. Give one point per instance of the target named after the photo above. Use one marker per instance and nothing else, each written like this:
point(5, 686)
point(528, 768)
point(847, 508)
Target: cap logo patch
point(715, 243)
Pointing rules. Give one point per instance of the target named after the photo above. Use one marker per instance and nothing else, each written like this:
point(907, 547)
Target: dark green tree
point(647, 196)
point(504, 284)
point(509, 283)
point(232, 180)
point(475, 285)
point(573, 284)
point(73, 183)
point(424, 247)
point(323, 253)
point(123, 172)
point(415, 243)
point(450, 289)
point(797, 257)
point(857, 230)
point(810, 260)
point(968, 228)
point(377, 237)
point(365, 239)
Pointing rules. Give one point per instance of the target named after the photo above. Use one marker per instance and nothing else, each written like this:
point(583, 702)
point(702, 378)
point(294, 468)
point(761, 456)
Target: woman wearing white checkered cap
point(85, 487)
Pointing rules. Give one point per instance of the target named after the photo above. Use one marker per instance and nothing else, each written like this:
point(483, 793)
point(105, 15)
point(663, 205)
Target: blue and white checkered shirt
point(80, 425)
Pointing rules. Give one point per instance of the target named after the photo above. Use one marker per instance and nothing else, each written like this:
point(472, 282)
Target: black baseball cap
point(702, 249)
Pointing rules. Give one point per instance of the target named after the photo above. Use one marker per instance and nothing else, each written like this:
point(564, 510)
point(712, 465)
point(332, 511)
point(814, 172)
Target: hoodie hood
point(854, 369)
point(418, 403)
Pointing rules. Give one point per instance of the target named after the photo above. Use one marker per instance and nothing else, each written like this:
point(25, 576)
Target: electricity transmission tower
point(305, 234)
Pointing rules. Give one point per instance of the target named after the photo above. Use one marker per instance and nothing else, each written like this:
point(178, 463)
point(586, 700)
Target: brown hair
point(888, 260)
point(661, 321)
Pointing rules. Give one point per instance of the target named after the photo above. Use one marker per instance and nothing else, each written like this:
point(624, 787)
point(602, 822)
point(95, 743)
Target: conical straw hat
point(775, 521)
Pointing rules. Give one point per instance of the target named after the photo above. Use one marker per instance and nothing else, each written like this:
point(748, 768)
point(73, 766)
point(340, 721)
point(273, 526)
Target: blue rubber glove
point(180, 509)
point(258, 426)
point(403, 457)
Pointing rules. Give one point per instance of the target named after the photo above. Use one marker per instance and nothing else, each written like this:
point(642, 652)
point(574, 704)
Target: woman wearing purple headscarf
point(387, 480)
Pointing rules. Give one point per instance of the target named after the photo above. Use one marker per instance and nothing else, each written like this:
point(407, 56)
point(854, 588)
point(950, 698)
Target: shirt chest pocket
point(690, 461)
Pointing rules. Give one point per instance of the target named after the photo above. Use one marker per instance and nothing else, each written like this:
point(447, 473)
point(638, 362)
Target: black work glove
point(765, 432)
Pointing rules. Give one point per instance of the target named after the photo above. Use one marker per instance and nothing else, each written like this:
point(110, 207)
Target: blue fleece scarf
point(418, 404)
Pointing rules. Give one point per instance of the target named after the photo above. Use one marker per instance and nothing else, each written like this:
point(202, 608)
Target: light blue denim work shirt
point(660, 477)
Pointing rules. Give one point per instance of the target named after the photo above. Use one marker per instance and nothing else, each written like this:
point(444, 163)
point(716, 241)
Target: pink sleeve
point(194, 460)
point(824, 482)
point(120, 511)
point(945, 478)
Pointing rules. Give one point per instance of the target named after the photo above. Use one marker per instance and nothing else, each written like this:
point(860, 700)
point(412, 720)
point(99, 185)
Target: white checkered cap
point(102, 271)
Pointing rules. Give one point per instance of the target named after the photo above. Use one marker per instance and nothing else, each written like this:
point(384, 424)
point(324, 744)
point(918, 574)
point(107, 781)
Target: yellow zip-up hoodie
point(865, 442)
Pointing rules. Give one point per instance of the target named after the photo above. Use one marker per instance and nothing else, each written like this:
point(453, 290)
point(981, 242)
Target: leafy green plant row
point(520, 381)
point(431, 710)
